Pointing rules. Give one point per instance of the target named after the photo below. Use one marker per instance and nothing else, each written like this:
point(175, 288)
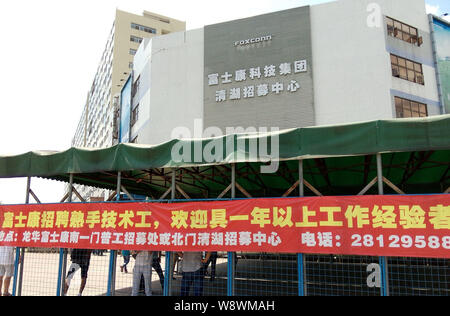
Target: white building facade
point(334, 63)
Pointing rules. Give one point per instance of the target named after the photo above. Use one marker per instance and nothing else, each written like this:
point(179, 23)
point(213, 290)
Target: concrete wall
point(352, 70)
point(171, 96)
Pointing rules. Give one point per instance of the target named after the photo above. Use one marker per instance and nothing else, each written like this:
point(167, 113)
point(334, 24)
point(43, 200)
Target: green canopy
point(338, 160)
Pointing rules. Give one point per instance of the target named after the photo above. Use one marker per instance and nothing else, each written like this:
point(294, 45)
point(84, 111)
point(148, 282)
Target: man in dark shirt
point(80, 260)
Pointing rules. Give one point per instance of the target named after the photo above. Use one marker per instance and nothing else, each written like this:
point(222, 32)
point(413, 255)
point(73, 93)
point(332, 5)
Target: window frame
point(403, 105)
point(403, 68)
point(403, 31)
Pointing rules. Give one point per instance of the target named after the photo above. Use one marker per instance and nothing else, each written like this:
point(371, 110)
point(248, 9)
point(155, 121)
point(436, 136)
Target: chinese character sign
point(409, 226)
point(249, 88)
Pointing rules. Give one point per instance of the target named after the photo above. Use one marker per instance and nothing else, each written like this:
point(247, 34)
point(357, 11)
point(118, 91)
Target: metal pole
point(232, 255)
point(380, 174)
point(62, 252)
point(170, 256)
point(300, 256)
point(113, 254)
point(301, 178)
point(382, 260)
point(173, 185)
point(18, 274)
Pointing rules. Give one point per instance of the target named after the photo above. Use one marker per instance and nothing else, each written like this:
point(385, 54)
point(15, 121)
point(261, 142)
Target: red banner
point(407, 226)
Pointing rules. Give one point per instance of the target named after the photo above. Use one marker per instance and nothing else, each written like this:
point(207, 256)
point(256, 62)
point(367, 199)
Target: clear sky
point(49, 56)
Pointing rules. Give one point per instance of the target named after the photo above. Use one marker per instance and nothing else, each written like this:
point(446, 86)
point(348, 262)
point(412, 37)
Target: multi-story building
point(339, 62)
point(96, 128)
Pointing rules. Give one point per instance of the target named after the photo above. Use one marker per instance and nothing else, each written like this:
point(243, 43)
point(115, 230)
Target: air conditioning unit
point(390, 29)
point(420, 41)
point(420, 79)
point(395, 72)
point(395, 31)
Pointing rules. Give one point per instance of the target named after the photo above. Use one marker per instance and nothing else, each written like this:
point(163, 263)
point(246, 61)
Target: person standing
point(156, 264)
point(193, 272)
point(142, 267)
point(6, 269)
point(126, 254)
point(81, 259)
point(213, 261)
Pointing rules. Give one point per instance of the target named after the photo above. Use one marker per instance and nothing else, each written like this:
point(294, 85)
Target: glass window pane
point(413, 31)
point(407, 113)
point(409, 64)
point(394, 60)
point(417, 67)
point(401, 62)
point(398, 102)
point(389, 21)
point(403, 73)
point(415, 106)
point(406, 104)
point(411, 75)
point(405, 28)
point(397, 25)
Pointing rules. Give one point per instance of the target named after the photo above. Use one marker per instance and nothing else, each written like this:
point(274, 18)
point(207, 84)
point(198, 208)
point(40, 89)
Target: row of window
point(407, 69)
point(143, 28)
point(407, 108)
point(136, 39)
point(403, 31)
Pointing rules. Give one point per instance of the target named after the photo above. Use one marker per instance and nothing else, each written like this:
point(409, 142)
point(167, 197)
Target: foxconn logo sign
point(251, 41)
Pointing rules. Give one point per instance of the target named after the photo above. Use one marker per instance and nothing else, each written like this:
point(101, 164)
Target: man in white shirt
point(6, 269)
point(142, 267)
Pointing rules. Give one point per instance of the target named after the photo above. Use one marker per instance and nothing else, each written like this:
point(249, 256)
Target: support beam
point(380, 174)
point(173, 184)
point(35, 197)
point(111, 289)
point(224, 192)
point(127, 193)
point(447, 191)
point(165, 194)
point(291, 189)
point(301, 178)
point(393, 186)
point(383, 261)
point(367, 188)
point(233, 181)
point(231, 256)
point(112, 196)
point(64, 198)
point(179, 189)
point(78, 195)
point(313, 189)
point(240, 188)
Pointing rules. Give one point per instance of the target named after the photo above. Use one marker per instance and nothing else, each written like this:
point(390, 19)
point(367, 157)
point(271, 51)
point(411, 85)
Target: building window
point(403, 32)
point(135, 39)
point(408, 108)
point(135, 87)
point(407, 69)
point(143, 28)
point(134, 115)
point(133, 51)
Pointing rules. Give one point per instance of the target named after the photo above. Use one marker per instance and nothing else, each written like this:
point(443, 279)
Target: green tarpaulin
point(416, 152)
